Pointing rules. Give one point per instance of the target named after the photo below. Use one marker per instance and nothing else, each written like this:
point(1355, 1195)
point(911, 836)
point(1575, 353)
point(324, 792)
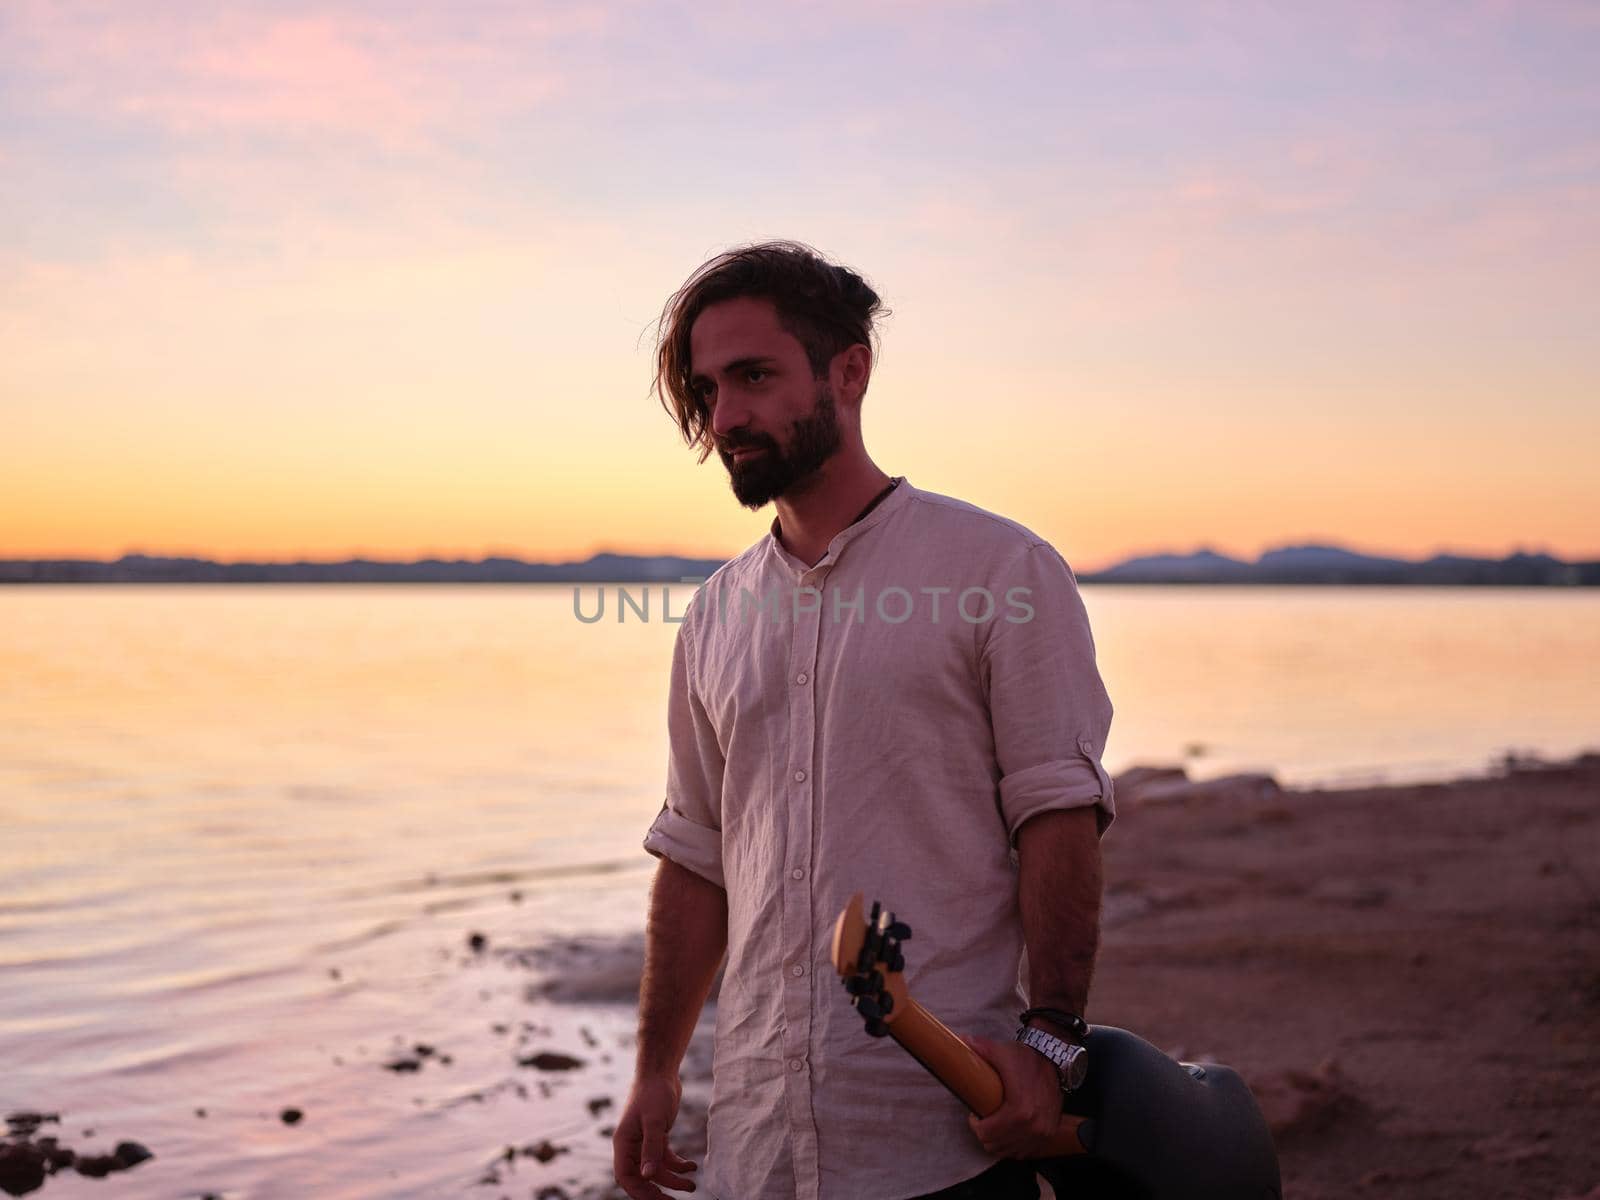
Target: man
point(893, 692)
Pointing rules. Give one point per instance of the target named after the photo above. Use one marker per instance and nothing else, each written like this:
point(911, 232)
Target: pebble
point(548, 1061)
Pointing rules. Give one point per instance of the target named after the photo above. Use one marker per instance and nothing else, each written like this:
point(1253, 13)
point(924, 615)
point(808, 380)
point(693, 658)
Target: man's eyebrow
point(738, 364)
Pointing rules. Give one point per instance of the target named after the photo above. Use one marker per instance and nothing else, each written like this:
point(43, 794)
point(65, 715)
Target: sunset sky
point(284, 278)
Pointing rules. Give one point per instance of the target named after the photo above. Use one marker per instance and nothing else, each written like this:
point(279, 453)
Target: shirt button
point(797, 970)
point(795, 1064)
point(799, 776)
point(798, 873)
point(800, 678)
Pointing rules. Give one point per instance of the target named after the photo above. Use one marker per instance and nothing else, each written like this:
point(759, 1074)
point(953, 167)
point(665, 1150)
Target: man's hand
point(640, 1155)
point(1030, 1113)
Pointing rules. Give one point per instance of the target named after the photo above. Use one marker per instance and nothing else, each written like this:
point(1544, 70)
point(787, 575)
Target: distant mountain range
point(142, 568)
point(1286, 564)
point(1335, 564)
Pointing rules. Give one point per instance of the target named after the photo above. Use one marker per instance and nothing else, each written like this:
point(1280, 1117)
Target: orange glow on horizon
point(358, 282)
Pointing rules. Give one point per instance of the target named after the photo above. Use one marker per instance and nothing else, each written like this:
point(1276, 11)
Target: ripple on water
point(176, 984)
point(65, 952)
point(33, 1024)
point(71, 895)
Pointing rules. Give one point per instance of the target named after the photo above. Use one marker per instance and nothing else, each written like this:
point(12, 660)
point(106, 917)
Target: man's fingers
point(991, 1135)
point(673, 1170)
point(625, 1151)
point(979, 1129)
point(629, 1181)
point(1019, 1124)
point(637, 1188)
point(671, 1179)
point(639, 1143)
point(653, 1150)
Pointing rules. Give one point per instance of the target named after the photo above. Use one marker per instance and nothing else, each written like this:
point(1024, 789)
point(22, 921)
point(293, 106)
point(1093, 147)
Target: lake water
point(246, 831)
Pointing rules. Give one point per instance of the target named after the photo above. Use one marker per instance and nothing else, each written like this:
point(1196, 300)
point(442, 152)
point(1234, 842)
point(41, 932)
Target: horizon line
point(569, 559)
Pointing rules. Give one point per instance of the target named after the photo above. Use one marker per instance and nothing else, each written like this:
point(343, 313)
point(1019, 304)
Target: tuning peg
point(877, 1028)
point(900, 931)
point(856, 985)
point(886, 1003)
point(899, 962)
point(867, 1006)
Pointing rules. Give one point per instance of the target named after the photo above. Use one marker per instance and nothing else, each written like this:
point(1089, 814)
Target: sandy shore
point(1409, 977)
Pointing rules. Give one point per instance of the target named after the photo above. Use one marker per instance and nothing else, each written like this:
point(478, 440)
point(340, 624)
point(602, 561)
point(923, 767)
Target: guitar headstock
point(866, 953)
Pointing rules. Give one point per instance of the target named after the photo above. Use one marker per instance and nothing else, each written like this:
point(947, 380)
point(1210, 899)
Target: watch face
point(1070, 1059)
point(1076, 1070)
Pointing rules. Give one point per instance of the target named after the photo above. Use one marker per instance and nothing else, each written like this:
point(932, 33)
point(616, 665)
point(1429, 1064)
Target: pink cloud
point(293, 74)
point(393, 79)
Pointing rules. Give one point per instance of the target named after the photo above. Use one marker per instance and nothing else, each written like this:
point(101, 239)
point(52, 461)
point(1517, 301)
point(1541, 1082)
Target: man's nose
point(728, 414)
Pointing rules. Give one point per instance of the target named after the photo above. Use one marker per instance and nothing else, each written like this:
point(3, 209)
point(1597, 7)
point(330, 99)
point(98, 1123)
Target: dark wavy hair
point(828, 308)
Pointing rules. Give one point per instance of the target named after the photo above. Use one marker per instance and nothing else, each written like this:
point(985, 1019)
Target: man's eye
point(756, 374)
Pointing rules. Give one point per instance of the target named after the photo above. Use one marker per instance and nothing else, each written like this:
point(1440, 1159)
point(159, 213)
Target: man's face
point(773, 422)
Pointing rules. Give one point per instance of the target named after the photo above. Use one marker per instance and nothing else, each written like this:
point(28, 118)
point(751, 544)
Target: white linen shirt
point(883, 721)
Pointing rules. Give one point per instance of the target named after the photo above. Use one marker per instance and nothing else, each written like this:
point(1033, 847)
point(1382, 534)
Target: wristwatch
point(1071, 1061)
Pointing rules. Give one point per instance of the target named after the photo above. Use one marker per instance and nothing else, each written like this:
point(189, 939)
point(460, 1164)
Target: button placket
point(797, 900)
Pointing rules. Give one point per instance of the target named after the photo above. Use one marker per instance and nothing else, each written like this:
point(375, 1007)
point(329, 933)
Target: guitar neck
point(953, 1063)
point(947, 1058)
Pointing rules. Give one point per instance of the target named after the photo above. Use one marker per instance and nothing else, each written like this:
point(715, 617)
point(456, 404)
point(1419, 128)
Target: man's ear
point(849, 373)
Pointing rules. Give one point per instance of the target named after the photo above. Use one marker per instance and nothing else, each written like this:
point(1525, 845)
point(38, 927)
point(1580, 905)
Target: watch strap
point(1067, 1057)
point(1072, 1022)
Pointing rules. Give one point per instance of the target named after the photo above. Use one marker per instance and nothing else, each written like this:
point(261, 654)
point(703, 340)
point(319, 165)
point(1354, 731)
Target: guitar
point(1142, 1127)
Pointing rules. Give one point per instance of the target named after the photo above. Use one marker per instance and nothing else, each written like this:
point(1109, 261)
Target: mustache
point(749, 441)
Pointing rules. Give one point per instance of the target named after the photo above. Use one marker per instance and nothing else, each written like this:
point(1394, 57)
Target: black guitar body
point(1159, 1129)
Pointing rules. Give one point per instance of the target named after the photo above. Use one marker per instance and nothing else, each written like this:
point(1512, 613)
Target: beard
point(813, 440)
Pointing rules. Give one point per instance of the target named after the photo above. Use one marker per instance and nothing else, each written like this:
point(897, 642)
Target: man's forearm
point(1060, 899)
point(685, 937)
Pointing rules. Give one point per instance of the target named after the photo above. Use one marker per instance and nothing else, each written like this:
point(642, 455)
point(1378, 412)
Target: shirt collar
point(893, 502)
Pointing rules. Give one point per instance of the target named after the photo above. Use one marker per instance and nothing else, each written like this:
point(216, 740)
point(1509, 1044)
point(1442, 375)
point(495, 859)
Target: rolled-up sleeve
point(1048, 705)
point(688, 829)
